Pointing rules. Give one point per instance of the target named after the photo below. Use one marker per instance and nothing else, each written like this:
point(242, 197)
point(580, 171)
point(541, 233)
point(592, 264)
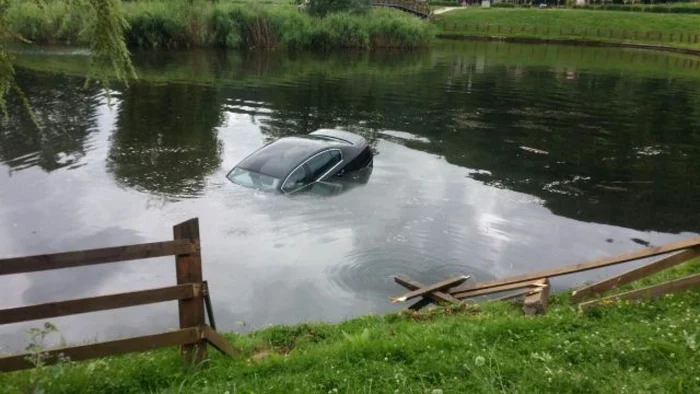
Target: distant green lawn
point(575, 23)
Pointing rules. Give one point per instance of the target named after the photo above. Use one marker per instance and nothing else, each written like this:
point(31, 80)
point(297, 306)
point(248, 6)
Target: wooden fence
point(534, 287)
point(572, 31)
point(191, 292)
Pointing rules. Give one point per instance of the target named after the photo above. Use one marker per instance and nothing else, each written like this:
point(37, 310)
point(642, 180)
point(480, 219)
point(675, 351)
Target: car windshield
point(248, 178)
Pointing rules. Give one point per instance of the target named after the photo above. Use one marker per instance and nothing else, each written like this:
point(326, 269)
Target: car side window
point(296, 179)
point(321, 163)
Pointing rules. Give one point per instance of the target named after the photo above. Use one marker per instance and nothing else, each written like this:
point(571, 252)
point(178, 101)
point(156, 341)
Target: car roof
point(280, 157)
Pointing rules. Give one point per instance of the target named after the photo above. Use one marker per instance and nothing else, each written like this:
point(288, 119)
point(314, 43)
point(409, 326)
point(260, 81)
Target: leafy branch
point(109, 53)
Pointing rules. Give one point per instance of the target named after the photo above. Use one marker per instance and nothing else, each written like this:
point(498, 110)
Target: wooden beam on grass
point(497, 289)
point(219, 342)
point(537, 301)
point(436, 296)
point(571, 269)
point(104, 349)
point(633, 275)
point(99, 303)
point(511, 297)
point(18, 265)
point(431, 288)
point(673, 286)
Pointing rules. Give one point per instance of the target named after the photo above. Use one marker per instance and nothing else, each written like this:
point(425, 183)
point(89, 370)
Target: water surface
point(493, 159)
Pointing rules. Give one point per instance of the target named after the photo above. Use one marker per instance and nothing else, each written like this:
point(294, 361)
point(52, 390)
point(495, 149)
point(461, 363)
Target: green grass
point(241, 24)
point(576, 24)
point(675, 8)
point(653, 346)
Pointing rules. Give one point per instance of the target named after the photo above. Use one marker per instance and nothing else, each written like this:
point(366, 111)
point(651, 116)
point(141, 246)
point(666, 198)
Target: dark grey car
point(324, 159)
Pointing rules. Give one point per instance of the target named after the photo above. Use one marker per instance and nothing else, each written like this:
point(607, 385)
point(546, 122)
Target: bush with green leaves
point(164, 25)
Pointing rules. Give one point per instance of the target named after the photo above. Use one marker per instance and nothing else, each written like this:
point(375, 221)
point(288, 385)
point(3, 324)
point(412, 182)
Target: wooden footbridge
point(418, 8)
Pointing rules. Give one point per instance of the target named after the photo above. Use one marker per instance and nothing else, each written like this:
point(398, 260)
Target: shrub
point(160, 24)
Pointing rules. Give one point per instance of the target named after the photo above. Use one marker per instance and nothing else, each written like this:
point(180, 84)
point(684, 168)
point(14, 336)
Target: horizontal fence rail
point(99, 303)
point(103, 349)
point(18, 265)
point(673, 286)
point(665, 263)
point(191, 293)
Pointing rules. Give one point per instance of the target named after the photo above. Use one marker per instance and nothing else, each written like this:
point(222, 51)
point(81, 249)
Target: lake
point(492, 159)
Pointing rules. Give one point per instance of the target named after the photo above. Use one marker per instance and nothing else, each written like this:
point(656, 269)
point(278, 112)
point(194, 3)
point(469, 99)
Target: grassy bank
point(609, 26)
point(648, 347)
point(177, 24)
point(670, 8)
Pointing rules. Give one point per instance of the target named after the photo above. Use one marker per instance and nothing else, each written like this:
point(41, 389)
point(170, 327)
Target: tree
point(109, 51)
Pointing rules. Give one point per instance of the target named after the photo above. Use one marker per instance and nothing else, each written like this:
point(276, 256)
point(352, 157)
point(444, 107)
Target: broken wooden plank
point(436, 296)
point(420, 304)
point(633, 275)
point(515, 295)
point(571, 269)
point(219, 342)
point(447, 283)
point(673, 286)
point(18, 265)
point(536, 303)
point(99, 303)
point(497, 289)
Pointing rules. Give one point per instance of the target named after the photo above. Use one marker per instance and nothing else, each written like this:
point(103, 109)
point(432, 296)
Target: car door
point(312, 170)
point(323, 162)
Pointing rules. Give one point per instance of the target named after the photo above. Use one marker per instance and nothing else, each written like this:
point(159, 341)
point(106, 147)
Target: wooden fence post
point(189, 270)
point(536, 302)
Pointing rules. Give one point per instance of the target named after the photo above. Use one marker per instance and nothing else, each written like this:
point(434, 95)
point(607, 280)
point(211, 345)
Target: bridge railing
point(418, 7)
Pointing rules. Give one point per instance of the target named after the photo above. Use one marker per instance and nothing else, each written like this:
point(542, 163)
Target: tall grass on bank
point(162, 24)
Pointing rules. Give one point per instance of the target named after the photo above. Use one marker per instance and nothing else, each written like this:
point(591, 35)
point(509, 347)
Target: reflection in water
point(493, 159)
point(65, 112)
point(165, 142)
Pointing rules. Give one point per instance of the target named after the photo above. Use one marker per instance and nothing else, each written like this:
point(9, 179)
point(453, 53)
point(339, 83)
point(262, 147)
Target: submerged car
point(323, 160)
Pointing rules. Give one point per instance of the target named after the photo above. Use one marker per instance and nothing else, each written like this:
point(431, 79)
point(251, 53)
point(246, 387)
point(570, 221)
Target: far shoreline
point(569, 41)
